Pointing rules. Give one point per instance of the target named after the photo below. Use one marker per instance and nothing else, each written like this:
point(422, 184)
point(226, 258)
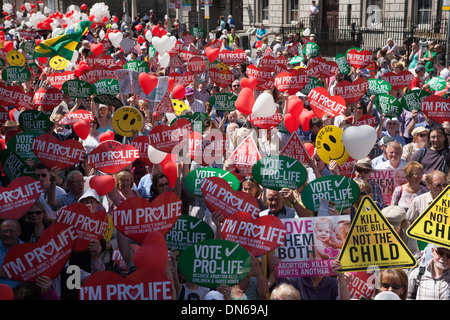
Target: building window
point(264, 9)
point(424, 11)
point(294, 10)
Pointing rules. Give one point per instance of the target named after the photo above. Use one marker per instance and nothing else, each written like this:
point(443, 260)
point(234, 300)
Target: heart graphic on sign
point(184, 79)
point(170, 139)
point(437, 108)
point(352, 91)
point(261, 74)
point(322, 103)
point(159, 215)
point(152, 253)
point(54, 153)
point(291, 82)
point(232, 58)
point(46, 257)
point(143, 284)
point(398, 80)
point(112, 156)
point(88, 226)
point(219, 196)
point(18, 197)
point(222, 78)
point(258, 236)
point(359, 58)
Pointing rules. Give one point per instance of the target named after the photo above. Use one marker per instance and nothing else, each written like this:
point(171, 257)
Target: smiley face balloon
point(16, 58)
point(126, 120)
point(58, 63)
point(329, 145)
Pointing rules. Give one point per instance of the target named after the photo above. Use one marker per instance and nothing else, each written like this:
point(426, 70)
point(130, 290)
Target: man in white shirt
point(394, 157)
point(194, 104)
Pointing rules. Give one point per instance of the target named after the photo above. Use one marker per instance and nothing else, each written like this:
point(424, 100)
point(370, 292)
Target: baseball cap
point(420, 68)
point(385, 140)
point(90, 193)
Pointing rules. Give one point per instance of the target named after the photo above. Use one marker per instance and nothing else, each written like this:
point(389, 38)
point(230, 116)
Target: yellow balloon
point(127, 120)
point(58, 63)
point(179, 106)
point(329, 145)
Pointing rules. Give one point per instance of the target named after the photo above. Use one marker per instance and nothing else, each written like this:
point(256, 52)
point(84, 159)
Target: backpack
point(227, 26)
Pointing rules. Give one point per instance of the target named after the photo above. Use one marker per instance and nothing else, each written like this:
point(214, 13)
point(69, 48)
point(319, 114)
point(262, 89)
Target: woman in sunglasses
point(394, 280)
point(34, 223)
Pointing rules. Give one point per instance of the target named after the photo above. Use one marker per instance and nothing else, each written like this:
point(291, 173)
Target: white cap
point(90, 193)
point(387, 295)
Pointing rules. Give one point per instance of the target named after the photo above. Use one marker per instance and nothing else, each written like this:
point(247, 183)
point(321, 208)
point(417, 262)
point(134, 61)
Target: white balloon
point(101, 34)
point(12, 31)
point(115, 38)
point(74, 57)
point(306, 32)
point(164, 60)
point(170, 117)
point(164, 44)
point(55, 32)
point(148, 35)
point(359, 140)
point(264, 105)
point(155, 156)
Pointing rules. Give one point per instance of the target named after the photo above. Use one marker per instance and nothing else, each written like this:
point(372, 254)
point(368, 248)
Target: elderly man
point(9, 237)
point(363, 168)
point(276, 207)
point(383, 147)
point(75, 184)
point(194, 104)
point(394, 153)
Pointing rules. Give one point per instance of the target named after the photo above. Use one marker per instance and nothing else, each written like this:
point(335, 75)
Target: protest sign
point(245, 155)
point(388, 180)
point(266, 122)
point(74, 116)
point(207, 148)
point(437, 108)
point(295, 149)
point(141, 143)
point(398, 80)
point(258, 235)
point(21, 142)
point(261, 74)
point(412, 100)
point(339, 189)
point(433, 224)
point(77, 88)
point(11, 95)
point(232, 58)
point(194, 178)
point(104, 60)
point(310, 246)
point(143, 284)
point(372, 241)
point(342, 62)
point(278, 172)
point(19, 196)
point(187, 231)
point(34, 120)
point(329, 145)
point(48, 99)
point(106, 86)
point(16, 74)
point(222, 78)
point(378, 86)
point(220, 197)
point(313, 82)
point(436, 84)
point(88, 226)
point(171, 138)
point(362, 284)
point(136, 217)
point(322, 103)
point(359, 58)
point(196, 65)
point(57, 79)
point(27, 261)
point(320, 68)
point(388, 105)
point(351, 91)
point(184, 79)
point(127, 120)
point(55, 153)
point(311, 49)
point(223, 101)
point(111, 156)
point(14, 166)
point(366, 119)
point(211, 263)
point(165, 105)
point(291, 82)
point(138, 66)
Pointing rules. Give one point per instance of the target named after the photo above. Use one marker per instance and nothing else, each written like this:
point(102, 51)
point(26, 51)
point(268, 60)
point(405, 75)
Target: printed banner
point(194, 178)
point(19, 196)
point(187, 231)
point(388, 180)
point(112, 156)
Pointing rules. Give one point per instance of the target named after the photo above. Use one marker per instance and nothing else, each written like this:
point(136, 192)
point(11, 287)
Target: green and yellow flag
point(65, 43)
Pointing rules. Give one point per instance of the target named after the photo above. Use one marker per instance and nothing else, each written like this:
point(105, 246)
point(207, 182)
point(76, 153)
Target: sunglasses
point(43, 175)
point(423, 134)
point(441, 253)
point(37, 213)
point(360, 170)
point(236, 86)
point(162, 185)
point(363, 193)
point(388, 285)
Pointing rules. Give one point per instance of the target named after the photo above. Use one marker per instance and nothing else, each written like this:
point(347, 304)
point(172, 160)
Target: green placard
point(195, 177)
point(296, 59)
point(388, 105)
point(198, 32)
point(436, 84)
point(196, 120)
point(34, 120)
point(77, 88)
point(21, 143)
point(28, 46)
point(278, 172)
point(313, 82)
point(224, 101)
point(14, 166)
point(344, 66)
point(106, 86)
point(108, 100)
point(339, 189)
point(15, 73)
point(211, 263)
point(378, 86)
point(187, 231)
point(312, 49)
point(412, 100)
point(137, 65)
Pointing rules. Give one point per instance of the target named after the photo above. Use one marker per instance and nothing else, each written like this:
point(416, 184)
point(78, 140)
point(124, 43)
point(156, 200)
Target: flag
point(65, 43)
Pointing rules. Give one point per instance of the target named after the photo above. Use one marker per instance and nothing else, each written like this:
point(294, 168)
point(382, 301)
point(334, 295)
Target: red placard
point(222, 78)
point(205, 149)
point(55, 153)
point(232, 58)
point(112, 156)
point(56, 80)
point(291, 82)
point(143, 284)
point(88, 226)
point(48, 99)
point(19, 196)
point(100, 72)
point(437, 108)
point(319, 68)
point(75, 116)
point(266, 122)
point(398, 80)
point(258, 236)
point(28, 261)
point(136, 217)
point(184, 79)
point(196, 64)
point(295, 149)
point(352, 91)
point(141, 143)
point(359, 58)
point(245, 156)
point(220, 197)
point(262, 74)
point(104, 60)
point(170, 139)
point(322, 103)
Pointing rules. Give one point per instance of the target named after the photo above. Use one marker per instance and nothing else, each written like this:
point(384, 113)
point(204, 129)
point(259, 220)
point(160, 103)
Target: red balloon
point(157, 116)
point(102, 184)
point(171, 83)
point(141, 39)
point(82, 128)
point(291, 123)
point(138, 27)
point(179, 91)
point(147, 82)
point(309, 148)
point(8, 46)
point(305, 116)
point(249, 83)
point(294, 106)
point(152, 253)
point(155, 31)
point(83, 6)
point(6, 292)
point(245, 101)
point(96, 48)
point(170, 169)
point(105, 136)
point(212, 53)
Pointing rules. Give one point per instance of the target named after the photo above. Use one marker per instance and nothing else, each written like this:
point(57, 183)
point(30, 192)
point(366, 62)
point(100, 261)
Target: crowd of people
point(412, 142)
